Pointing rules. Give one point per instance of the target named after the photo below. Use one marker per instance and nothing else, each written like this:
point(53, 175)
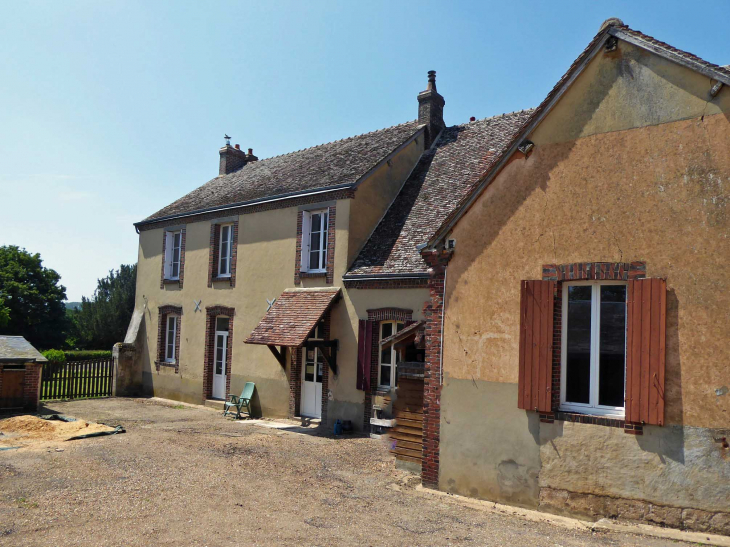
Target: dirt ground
point(186, 476)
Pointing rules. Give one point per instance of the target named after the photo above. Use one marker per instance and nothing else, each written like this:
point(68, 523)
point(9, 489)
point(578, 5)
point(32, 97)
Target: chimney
point(250, 156)
point(431, 109)
point(232, 159)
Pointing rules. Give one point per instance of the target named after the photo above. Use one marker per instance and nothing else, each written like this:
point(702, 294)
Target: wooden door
point(12, 390)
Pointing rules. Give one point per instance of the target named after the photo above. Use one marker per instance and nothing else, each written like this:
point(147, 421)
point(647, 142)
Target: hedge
point(60, 356)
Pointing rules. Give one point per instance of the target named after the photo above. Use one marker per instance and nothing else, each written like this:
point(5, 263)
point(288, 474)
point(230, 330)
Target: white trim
point(229, 243)
point(393, 354)
point(307, 240)
point(170, 252)
point(592, 407)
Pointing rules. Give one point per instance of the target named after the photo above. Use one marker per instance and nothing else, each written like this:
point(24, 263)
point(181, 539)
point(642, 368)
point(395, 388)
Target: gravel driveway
point(186, 476)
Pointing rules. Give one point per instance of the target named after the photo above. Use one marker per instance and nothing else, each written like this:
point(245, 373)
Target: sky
point(111, 110)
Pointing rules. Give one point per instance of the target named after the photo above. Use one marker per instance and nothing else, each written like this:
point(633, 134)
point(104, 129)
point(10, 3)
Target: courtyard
point(184, 475)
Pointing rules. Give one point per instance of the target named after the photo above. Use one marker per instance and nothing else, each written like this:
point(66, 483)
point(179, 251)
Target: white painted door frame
point(220, 354)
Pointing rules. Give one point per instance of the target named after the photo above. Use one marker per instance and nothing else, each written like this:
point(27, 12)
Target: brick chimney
point(431, 109)
point(250, 157)
point(232, 159)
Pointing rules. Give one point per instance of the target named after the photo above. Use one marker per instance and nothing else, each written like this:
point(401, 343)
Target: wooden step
point(411, 445)
point(403, 458)
point(405, 414)
point(415, 424)
point(407, 430)
point(400, 436)
point(405, 452)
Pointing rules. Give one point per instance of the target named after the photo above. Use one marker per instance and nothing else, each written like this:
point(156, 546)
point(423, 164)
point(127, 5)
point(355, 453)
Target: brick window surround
point(181, 277)
point(211, 312)
point(377, 316)
point(330, 270)
point(619, 271)
point(163, 313)
point(215, 237)
point(295, 375)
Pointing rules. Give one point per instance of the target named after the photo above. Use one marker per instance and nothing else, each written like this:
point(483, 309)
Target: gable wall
point(625, 168)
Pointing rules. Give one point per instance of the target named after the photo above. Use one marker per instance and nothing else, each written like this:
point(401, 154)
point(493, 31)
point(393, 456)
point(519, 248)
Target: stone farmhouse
point(533, 307)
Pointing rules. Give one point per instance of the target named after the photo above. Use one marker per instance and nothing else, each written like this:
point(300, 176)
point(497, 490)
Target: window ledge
point(312, 274)
point(564, 416)
point(167, 364)
point(382, 391)
point(222, 278)
point(170, 281)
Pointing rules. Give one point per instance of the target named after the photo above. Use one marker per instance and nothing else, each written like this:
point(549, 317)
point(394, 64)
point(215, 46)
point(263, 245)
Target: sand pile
point(35, 432)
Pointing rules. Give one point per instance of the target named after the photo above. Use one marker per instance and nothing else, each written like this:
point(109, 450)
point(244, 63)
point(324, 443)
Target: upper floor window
point(314, 240)
point(225, 250)
point(593, 371)
point(172, 254)
point(170, 335)
point(389, 355)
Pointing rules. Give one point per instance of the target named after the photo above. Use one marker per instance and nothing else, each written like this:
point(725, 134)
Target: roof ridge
point(494, 117)
point(333, 142)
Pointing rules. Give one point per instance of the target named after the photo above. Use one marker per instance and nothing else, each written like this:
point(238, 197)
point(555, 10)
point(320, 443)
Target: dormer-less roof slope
point(16, 349)
point(335, 165)
point(611, 28)
point(443, 176)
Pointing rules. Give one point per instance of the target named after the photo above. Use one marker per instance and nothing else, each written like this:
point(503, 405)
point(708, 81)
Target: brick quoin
point(619, 271)
point(433, 311)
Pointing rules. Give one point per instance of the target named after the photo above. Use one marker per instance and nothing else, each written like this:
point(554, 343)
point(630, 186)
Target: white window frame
point(170, 253)
point(393, 354)
point(170, 349)
point(225, 259)
point(592, 407)
point(307, 240)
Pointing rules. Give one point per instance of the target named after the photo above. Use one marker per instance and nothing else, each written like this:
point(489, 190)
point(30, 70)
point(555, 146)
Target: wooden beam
point(331, 360)
point(279, 354)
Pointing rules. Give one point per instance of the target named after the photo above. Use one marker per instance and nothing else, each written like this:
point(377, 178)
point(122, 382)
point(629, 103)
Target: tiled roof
point(336, 164)
point(292, 317)
point(442, 177)
point(530, 122)
point(406, 332)
point(18, 349)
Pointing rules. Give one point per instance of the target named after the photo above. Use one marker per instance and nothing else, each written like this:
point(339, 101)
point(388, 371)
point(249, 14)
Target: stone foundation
point(563, 502)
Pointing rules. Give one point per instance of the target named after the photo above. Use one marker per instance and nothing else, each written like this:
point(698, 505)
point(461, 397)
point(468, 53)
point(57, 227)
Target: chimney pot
point(238, 147)
point(250, 151)
point(472, 119)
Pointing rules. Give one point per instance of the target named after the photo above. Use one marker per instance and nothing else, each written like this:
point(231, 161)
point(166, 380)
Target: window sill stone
point(305, 275)
point(171, 281)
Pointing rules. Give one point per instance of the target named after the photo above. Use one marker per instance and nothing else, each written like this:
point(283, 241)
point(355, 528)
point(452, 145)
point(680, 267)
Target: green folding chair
point(240, 402)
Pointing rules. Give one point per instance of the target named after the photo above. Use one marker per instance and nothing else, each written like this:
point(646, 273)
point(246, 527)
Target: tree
point(102, 321)
point(31, 299)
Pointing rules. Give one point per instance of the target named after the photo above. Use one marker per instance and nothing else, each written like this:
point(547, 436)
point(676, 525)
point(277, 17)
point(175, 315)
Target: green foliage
point(31, 299)
point(102, 321)
point(54, 356)
point(87, 355)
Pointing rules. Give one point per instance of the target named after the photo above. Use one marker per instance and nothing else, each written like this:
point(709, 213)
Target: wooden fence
point(77, 379)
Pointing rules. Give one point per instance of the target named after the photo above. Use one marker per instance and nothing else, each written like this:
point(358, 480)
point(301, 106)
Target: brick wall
point(295, 382)
point(31, 385)
point(433, 311)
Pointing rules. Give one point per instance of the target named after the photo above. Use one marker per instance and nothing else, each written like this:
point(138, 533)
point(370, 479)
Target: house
point(533, 306)
point(269, 272)
point(583, 286)
point(21, 366)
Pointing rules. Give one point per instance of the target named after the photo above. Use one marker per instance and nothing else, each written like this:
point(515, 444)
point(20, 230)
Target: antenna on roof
point(228, 139)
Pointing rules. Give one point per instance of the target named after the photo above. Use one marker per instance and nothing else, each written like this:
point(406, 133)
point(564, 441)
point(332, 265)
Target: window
point(172, 255)
point(314, 240)
point(171, 333)
point(388, 356)
point(225, 251)
point(593, 361)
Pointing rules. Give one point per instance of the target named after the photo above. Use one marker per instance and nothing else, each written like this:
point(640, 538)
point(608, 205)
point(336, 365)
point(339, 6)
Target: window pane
point(612, 346)
point(314, 260)
point(578, 346)
point(314, 241)
point(320, 366)
point(385, 376)
point(385, 356)
point(309, 366)
point(221, 324)
point(316, 222)
point(387, 330)
point(177, 241)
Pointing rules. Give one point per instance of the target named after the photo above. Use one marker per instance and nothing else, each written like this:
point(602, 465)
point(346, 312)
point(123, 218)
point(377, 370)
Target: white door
point(311, 405)
point(219, 365)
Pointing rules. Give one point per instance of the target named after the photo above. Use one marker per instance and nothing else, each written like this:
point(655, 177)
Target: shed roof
point(16, 349)
point(292, 317)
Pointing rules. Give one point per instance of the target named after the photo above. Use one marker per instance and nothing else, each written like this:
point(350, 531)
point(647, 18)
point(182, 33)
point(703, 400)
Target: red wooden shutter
point(645, 350)
point(364, 354)
point(536, 345)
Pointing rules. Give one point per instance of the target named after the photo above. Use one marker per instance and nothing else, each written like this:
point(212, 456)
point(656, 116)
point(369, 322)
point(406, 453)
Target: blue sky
point(111, 110)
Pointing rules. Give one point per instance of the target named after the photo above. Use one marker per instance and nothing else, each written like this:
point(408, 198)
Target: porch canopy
point(290, 320)
point(413, 333)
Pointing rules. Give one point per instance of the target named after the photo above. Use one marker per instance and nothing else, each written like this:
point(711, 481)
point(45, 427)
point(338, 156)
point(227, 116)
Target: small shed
point(20, 373)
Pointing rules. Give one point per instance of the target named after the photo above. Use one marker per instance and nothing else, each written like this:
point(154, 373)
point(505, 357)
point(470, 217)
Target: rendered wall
point(632, 164)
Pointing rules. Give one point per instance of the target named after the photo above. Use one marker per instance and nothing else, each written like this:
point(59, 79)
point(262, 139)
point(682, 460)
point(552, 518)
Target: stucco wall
point(632, 164)
point(375, 194)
